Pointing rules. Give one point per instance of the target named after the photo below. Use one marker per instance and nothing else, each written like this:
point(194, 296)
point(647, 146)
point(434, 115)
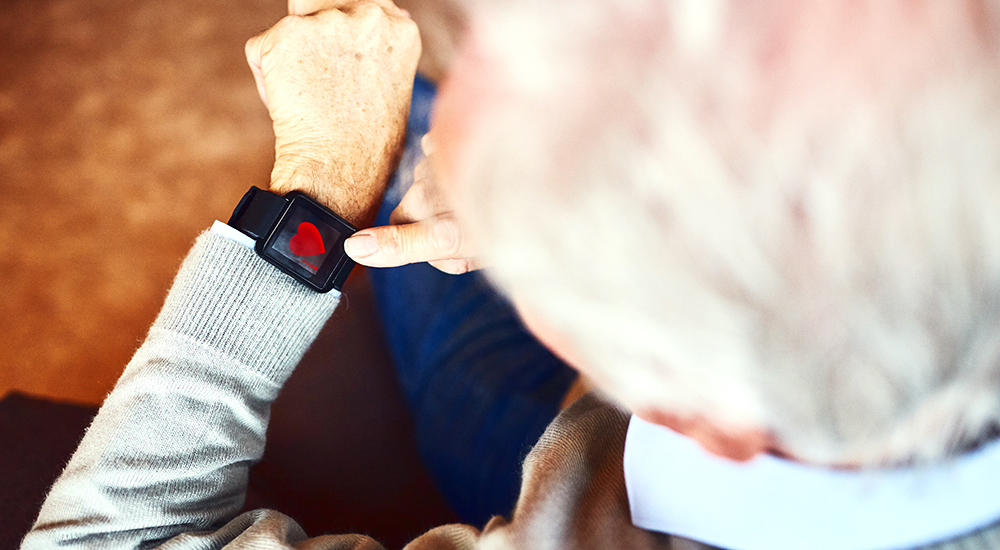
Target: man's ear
point(740, 444)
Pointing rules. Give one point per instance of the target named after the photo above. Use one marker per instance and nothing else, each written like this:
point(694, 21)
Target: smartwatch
point(297, 235)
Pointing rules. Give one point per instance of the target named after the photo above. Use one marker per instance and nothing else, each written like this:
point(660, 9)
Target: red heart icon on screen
point(307, 242)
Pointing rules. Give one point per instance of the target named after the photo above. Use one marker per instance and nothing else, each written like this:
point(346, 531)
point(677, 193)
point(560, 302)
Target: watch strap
point(258, 212)
point(273, 222)
point(341, 278)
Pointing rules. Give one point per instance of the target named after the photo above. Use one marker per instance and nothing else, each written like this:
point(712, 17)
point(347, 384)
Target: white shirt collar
point(768, 503)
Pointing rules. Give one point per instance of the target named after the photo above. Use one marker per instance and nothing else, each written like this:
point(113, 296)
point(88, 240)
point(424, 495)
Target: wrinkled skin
point(336, 77)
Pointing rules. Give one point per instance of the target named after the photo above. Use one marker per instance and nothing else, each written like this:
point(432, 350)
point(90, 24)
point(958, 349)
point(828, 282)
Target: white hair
point(775, 213)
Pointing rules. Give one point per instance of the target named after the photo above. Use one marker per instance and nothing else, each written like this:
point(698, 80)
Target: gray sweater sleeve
point(169, 450)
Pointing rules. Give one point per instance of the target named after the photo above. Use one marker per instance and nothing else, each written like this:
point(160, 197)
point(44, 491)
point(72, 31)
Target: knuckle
point(421, 173)
point(446, 236)
point(252, 51)
point(451, 267)
point(271, 38)
point(367, 10)
point(427, 146)
point(412, 32)
point(389, 244)
point(283, 25)
point(459, 267)
point(417, 193)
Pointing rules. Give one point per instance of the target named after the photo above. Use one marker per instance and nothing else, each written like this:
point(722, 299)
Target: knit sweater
point(165, 462)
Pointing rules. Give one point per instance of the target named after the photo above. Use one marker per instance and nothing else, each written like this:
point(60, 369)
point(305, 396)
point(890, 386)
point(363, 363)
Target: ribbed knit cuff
point(228, 298)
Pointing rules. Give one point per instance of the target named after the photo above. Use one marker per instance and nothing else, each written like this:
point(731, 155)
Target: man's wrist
point(352, 197)
point(297, 235)
point(309, 174)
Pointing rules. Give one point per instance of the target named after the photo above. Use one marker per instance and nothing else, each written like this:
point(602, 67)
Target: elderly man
point(771, 229)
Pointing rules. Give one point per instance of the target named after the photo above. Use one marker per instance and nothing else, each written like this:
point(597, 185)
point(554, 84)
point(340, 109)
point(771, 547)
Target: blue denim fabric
point(480, 387)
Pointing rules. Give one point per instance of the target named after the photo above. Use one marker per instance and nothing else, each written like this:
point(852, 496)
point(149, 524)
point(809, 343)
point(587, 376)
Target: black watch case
point(306, 239)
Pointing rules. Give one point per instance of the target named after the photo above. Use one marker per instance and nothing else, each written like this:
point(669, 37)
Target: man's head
point(775, 215)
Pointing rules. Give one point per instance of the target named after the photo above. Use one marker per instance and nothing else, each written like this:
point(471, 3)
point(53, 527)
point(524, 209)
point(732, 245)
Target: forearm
point(170, 449)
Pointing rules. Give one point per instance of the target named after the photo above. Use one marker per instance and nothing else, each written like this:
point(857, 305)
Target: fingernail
point(361, 246)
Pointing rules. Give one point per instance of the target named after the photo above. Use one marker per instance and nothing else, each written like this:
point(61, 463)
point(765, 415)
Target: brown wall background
point(126, 128)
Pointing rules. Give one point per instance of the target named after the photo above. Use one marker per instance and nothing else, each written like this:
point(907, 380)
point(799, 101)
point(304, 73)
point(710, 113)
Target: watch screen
point(305, 240)
point(308, 242)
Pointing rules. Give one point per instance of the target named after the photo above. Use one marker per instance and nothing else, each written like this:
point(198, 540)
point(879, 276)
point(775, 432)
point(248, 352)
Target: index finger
point(436, 238)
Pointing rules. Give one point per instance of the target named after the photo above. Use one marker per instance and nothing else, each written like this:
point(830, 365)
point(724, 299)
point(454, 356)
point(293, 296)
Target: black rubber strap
point(257, 212)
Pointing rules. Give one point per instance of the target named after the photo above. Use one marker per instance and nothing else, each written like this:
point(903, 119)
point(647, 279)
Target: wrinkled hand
point(422, 228)
point(336, 77)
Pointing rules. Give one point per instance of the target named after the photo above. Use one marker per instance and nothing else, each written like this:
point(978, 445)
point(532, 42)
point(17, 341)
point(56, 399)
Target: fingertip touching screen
point(309, 243)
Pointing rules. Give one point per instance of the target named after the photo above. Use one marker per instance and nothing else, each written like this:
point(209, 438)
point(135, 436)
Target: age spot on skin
point(358, 56)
